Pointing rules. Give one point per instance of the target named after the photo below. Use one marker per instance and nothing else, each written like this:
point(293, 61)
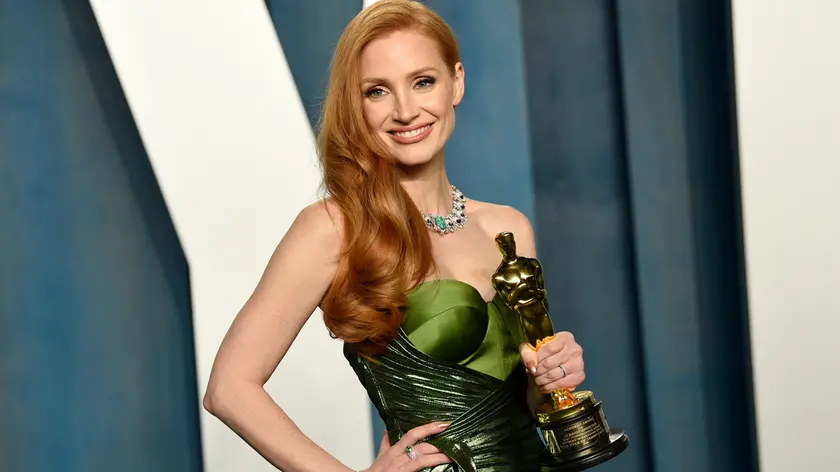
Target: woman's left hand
point(557, 364)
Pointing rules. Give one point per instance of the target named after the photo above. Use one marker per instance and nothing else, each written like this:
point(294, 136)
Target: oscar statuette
point(573, 424)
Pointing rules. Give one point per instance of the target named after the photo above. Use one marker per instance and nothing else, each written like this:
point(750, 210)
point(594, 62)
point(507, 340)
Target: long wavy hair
point(386, 246)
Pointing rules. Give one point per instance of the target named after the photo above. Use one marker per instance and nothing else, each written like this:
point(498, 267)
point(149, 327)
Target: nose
point(405, 110)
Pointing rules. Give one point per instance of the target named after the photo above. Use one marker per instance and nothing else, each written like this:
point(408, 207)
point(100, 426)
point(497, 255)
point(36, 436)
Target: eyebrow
point(415, 73)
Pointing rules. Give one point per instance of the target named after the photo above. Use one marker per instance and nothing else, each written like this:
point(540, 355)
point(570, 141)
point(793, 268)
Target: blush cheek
point(375, 116)
point(445, 131)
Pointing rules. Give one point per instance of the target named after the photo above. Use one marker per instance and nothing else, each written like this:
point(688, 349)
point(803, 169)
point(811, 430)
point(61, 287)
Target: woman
point(393, 247)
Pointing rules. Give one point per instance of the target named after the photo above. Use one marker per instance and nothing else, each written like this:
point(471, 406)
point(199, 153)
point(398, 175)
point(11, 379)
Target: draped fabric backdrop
point(610, 124)
point(96, 343)
point(152, 155)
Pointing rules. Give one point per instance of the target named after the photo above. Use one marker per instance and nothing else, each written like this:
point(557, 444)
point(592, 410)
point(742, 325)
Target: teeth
point(411, 134)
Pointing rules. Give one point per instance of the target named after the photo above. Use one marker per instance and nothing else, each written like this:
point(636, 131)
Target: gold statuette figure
point(572, 423)
point(519, 280)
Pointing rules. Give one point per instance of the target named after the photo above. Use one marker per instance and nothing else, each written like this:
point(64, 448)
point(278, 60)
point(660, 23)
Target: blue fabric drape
point(677, 80)
point(308, 32)
point(610, 124)
point(586, 231)
point(97, 368)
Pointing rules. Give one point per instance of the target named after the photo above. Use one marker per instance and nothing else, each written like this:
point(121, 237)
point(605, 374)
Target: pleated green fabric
point(476, 384)
point(449, 320)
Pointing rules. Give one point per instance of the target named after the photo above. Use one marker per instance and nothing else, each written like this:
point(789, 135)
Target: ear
point(458, 89)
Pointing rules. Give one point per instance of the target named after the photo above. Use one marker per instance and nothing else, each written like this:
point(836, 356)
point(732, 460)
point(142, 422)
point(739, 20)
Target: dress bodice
point(456, 359)
point(449, 320)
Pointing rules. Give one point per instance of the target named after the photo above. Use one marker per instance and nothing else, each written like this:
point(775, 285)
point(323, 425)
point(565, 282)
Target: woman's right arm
point(290, 289)
point(292, 286)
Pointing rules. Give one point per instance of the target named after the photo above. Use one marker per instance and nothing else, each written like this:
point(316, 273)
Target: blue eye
point(374, 93)
point(425, 82)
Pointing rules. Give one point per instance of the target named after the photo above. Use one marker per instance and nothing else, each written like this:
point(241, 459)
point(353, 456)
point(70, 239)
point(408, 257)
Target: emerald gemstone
point(440, 223)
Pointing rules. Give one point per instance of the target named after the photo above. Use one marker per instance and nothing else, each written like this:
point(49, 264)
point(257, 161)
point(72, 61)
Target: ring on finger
point(564, 371)
point(410, 452)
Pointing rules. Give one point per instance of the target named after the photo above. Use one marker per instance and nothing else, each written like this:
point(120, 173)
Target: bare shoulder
point(500, 218)
point(323, 215)
point(495, 219)
point(320, 223)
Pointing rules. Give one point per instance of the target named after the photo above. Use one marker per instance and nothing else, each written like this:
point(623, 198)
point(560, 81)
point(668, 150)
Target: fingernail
point(533, 370)
point(444, 425)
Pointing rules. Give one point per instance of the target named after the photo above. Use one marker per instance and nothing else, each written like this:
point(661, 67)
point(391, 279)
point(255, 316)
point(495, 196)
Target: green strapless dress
point(456, 359)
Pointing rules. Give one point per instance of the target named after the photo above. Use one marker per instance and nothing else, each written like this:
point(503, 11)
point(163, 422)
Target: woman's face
point(409, 95)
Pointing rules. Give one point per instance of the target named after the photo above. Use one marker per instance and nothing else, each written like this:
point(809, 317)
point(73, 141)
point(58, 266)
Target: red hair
point(386, 245)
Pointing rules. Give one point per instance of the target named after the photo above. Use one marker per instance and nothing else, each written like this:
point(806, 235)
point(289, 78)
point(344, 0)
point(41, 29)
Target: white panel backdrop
point(788, 89)
point(233, 151)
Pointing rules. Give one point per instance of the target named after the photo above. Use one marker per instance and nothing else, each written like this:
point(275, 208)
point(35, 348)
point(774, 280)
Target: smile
point(411, 136)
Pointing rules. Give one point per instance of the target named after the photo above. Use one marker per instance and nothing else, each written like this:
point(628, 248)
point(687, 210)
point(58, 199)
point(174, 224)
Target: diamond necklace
point(453, 221)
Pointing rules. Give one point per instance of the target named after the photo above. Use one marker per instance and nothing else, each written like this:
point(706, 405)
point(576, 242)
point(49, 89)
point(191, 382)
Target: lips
point(413, 135)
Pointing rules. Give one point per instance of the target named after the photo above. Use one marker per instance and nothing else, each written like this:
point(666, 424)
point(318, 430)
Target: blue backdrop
point(610, 124)
point(97, 369)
